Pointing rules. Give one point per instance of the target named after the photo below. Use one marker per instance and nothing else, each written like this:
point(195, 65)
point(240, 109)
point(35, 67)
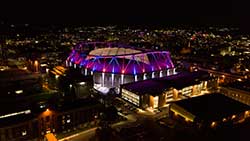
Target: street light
point(36, 65)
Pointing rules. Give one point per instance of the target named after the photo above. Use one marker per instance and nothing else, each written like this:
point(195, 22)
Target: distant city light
point(82, 83)
point(19, 91)
point(43, 65)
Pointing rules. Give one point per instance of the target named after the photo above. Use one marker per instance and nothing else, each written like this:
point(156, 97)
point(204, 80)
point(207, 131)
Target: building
point(158, 92)
point(114, 64)
point(18, 82)
point(25, 123)
point(68, 116)
point(211, 110)
point(237, 90)
point(17, 121)
point(29, 112)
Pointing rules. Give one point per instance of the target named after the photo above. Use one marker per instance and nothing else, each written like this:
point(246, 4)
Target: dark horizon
point(191, 13)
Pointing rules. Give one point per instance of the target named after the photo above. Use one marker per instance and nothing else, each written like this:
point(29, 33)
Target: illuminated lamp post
point(103, 76)
point(122, 76)
point(161, 74)
point(153, 74)
point(36, 65)
point(144, 76)
point(66, 63)
point(85, 72)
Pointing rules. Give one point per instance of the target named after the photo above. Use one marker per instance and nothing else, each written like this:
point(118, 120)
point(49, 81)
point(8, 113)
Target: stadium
point(113, 64)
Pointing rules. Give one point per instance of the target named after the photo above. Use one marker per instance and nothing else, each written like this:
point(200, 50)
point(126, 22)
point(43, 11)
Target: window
point(156, 100)
point(131, 97)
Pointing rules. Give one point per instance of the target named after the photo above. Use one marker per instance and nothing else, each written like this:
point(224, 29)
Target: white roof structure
point(113, 51)
point(127, 53)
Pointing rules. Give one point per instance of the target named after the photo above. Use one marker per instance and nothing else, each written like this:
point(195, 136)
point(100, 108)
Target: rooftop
point(113, 51)
point(212, 107)
point(242, 85)
point(81, 103)
point(15, 75)
point(158, 85)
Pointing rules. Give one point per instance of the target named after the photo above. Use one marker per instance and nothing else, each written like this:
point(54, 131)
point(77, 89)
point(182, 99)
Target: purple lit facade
point(114, 64)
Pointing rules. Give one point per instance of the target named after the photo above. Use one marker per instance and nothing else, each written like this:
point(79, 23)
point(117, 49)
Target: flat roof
point(212, 107)
point(158, 85)
point(242, 85)
point(16, 119)
point(16, 75)
point(81, 103)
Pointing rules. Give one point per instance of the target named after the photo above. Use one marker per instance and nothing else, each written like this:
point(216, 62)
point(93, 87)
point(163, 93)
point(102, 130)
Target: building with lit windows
point(158, 92)
point(114, 64)
point(16, 115)
point(28, 112)
point(69, 116)
point(210, 110)
point(237, 90)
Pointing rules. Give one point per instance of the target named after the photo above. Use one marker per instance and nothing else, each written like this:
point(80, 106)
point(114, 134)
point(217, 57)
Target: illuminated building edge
point(123, 65)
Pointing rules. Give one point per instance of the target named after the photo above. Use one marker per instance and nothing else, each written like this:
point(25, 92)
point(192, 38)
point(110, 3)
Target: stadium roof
point(113, 51)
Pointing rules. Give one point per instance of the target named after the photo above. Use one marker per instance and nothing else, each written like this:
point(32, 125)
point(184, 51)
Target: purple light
point(134, 63)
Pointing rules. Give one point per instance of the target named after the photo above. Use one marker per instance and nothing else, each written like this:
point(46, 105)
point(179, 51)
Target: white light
point(103, 77)
point(122, 78)
point(144, 76)
point(25, 68)
point(19, 91)
point(43, 65)
point(85, 72)
point(174, 71)
point(24, 133)
point(82, 83)
point(66, 63)
point(68, 121)
point(70, 85)
point(17, 113)
point(136, 78)
point(42, 106)
point(57, 76)
point(112, 79)
point(161, 74)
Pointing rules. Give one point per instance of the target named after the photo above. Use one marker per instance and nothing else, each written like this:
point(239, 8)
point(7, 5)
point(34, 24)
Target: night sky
point(203, 12)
